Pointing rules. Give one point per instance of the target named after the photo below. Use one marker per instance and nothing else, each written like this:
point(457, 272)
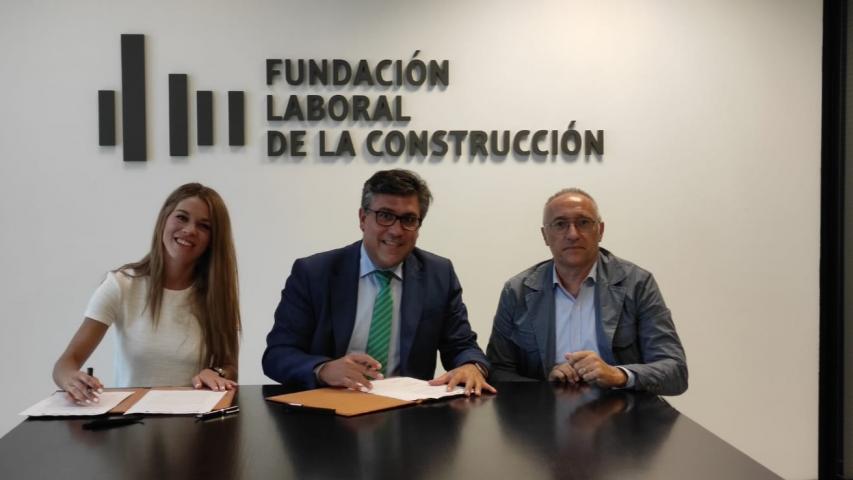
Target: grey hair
point(566, 191)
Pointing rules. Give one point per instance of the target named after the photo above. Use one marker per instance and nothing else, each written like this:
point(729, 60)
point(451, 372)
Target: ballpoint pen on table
point(218, 413)
point(112, 422)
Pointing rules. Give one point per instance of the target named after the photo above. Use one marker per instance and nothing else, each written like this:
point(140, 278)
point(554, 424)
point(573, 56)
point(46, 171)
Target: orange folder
point(347, 403)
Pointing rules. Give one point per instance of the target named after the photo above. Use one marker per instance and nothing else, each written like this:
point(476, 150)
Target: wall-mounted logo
point(133, 115)
point(315, 110)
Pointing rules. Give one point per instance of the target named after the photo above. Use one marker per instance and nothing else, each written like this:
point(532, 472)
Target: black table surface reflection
point(528, 431)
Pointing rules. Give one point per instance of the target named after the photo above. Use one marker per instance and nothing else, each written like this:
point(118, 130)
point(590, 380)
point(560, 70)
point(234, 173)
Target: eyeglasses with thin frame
point(386, 219)
point(582, 225)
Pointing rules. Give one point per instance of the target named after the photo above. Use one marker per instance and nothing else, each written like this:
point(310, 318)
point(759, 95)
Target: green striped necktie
point(380, 324)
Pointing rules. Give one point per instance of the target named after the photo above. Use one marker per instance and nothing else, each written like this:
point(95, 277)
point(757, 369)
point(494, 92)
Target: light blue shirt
point(576, 320)
point(575, 317)
point(368, 287)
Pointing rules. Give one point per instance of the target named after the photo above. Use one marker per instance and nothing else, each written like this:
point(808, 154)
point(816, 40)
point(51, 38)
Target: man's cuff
point(631, 378)
point(317, 373)
point(482, 368)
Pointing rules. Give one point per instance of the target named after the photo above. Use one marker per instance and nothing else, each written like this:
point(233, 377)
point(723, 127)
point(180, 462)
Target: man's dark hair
point(397, 182)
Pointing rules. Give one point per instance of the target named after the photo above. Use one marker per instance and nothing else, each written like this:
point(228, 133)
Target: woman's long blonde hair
point(215, 297)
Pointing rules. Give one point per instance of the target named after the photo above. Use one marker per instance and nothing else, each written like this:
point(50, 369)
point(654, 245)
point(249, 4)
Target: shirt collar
point(366, 266)
point(589, 280)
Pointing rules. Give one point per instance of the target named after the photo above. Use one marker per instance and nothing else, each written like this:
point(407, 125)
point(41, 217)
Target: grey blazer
point(634, 327)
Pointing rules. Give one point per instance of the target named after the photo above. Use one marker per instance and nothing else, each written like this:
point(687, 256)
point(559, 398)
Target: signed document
point(412, 389)
point(386, 394)
point(58, 405)
point(176, 402)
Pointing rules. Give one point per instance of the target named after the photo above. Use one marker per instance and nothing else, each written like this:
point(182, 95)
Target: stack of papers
point(411, 389)
point(58, 405)
point(176, 402)
point(168, 402)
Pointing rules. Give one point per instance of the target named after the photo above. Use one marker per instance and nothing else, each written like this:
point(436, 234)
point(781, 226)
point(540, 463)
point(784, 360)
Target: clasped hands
point(356, 370)
point(587, 366)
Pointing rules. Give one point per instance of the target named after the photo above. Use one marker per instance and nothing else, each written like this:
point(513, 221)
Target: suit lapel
point(539, 296)
point(411, 307)
point(610, 298)
point(344, 297)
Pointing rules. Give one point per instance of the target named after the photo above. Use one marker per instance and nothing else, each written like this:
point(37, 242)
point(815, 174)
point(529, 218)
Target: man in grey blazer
point(585, 315)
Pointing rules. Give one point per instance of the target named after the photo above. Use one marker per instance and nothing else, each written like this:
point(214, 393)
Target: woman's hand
point(210, 379)
point(80, 388)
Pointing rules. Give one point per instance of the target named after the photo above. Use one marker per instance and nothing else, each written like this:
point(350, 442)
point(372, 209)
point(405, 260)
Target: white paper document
point(411, 389)
point(58, 405)
point(176, 402)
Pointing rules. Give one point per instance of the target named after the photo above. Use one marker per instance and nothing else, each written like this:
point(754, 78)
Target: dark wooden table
point(528, 431)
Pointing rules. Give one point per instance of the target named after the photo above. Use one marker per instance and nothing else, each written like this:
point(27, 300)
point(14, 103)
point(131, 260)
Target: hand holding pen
point(83, 388)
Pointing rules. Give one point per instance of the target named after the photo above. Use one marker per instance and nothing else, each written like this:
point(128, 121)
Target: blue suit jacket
point(316, 315)
point(634, 328)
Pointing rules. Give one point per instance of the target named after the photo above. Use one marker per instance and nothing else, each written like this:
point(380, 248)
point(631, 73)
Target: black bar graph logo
point(133, 116)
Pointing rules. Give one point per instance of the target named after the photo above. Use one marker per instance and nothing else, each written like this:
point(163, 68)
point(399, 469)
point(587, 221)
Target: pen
point(218, 413)
point(90, 371)
point(112, 422)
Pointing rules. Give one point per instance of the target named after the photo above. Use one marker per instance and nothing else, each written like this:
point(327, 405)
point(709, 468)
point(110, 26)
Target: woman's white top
point(145, 355)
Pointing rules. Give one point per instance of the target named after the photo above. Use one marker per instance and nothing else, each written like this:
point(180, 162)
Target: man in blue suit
point(585, 315)
point(377, 307)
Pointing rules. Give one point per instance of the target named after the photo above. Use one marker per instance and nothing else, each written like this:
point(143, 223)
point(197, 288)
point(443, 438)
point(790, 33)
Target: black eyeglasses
point(386, 219)
point(582, 225)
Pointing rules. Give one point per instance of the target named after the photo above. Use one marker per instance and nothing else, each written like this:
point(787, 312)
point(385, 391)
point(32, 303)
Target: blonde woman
point(176, 311)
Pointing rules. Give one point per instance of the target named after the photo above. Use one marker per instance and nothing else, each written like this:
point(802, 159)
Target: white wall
point(710, 177)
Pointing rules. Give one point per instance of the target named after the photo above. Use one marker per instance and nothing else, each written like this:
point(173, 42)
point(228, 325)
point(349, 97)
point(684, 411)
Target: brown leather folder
point(139, 392)
point(347, 403)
